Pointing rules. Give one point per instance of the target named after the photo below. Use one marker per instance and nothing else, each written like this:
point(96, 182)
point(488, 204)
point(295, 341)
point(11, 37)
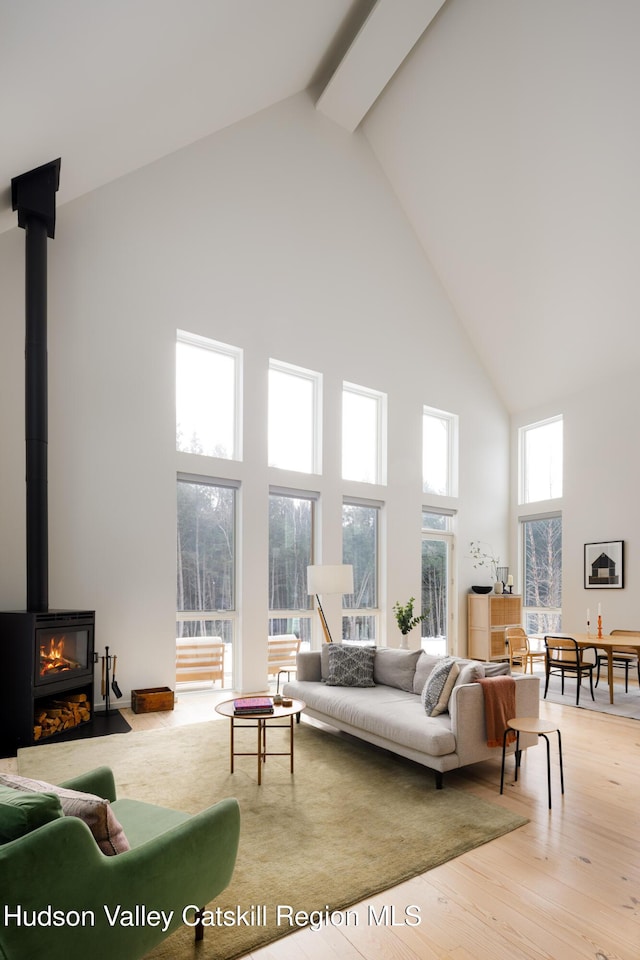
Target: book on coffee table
point(252, 705)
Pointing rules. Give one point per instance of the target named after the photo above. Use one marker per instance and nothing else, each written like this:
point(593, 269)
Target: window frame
point(380, 438)
point(444, 535)
point(208, 481)
point(236, 354)
point(303, 613)
point(522, 460)
point(370, 612)
point(452, 421)
point(526, 609)
point(315, 378)
point(227, 616)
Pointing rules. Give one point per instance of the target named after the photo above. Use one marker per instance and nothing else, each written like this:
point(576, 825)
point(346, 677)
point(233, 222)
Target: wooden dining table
point(606, 642)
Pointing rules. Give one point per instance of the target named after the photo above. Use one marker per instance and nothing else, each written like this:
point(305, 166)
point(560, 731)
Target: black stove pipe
point(33, 196)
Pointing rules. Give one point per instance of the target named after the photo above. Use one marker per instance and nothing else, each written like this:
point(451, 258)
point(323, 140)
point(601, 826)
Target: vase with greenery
point(484, 558)
point(406, 620)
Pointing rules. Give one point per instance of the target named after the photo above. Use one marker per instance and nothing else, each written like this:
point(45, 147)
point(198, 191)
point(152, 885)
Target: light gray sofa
point(391, 714)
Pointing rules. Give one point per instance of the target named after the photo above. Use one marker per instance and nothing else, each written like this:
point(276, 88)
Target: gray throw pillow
point(324, 656)
point(350, 666)
point(395, 668)
point(470, 671)
point(424, 666)
point(437, 689)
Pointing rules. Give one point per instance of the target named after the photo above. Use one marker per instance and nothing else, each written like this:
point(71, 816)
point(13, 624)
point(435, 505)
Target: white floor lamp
point(329, 578)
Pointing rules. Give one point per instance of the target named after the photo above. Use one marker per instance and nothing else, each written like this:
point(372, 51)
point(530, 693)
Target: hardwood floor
point(564, 887)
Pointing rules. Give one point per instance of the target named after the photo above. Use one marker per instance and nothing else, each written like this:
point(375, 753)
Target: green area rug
point(351, 822)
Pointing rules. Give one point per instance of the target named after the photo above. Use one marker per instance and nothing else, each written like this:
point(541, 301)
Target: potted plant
point(406, 620)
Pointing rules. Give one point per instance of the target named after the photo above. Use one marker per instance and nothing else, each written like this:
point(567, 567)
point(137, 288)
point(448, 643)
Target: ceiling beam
point(386, 37)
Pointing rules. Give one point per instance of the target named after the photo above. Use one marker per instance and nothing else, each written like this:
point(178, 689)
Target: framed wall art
point(604, 565)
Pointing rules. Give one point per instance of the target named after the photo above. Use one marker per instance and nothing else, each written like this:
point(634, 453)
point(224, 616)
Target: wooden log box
point(152, 699)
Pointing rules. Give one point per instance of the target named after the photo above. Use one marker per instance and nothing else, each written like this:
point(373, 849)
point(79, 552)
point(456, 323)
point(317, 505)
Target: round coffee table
point(260, 721)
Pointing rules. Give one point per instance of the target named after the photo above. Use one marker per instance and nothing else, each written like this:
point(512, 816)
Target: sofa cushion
point(425, 664)
point(395, 668)
point(437, 689)
point(497, 670)
point(350, 666)
point(470, 671)
point(385, 712)
point(94, 811)
point(22, 812)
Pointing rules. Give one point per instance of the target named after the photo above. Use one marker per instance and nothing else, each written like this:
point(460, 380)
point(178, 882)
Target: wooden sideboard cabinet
point(487, 616)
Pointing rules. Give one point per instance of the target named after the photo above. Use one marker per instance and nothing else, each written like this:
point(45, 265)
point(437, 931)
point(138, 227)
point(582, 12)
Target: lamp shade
point(330, 578)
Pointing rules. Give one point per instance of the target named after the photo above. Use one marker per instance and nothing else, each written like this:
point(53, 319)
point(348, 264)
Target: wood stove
point(46, 656)
point(47, 660)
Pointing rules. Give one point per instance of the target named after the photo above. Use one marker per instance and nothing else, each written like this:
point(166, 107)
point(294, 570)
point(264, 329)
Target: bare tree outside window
point(434, 589)
point(205, 552)
point(437, 541)
point(290, 552)
point(542, 600)
point(360, 549)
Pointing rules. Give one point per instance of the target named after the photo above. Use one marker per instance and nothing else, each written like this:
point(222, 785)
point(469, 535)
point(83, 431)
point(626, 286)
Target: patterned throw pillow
point(437, 689)
point(95, 811)
point(350, 666)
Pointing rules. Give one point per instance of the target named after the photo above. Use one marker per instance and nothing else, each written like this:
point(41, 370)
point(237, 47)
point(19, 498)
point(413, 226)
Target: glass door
point(435, 592)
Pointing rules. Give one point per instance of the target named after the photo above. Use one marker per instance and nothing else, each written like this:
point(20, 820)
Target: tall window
point(542, 569)
point(439, 452)
point(294, 418)
point(360, 524)
point(206, 557)
point(541, 461)
point(437, 542)
point(364, 415)
point(208, 390)
point(290, 552)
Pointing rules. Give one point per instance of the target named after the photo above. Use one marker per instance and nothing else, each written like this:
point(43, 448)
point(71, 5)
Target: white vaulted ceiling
point(508, 130)
point(511, 136)
point(112, 85)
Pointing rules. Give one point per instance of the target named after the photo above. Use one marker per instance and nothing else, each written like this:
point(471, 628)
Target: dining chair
point(519, 648)
point(621, 658)
point(563, 655)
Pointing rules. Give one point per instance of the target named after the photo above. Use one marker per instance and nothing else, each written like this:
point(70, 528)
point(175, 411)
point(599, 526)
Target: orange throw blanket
point(499, 706)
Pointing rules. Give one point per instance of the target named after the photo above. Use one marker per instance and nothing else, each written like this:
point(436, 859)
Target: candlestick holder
point(588, 628)
point(599, 627)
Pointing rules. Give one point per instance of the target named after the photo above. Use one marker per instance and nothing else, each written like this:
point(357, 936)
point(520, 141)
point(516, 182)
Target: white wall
point(600, 501)
point(506, 135)
point(279, 235)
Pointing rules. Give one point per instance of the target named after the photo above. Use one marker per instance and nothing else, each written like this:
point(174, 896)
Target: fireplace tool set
point(109, 663)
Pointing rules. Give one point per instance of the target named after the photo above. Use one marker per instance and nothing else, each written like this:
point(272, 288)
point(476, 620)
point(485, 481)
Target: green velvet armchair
point(86, 904)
